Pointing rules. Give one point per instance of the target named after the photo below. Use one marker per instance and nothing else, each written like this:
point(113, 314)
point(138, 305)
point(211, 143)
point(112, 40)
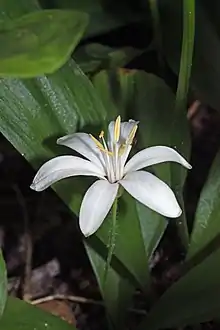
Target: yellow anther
point(106, 151)
point(110, 153)
point(100, 146)
point(117, 128)
point(101, 135)
point(132, 135)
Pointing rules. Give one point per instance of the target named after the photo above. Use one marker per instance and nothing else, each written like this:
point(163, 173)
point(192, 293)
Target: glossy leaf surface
point(39, 42)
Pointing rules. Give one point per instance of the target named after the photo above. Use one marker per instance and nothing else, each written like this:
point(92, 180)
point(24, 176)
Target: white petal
point(124, 157)
point(154, 155)
point(126, 128)
point(63, 167)
point(96, 204)
point(111, 131)
point(152, 192)
point(83, 144)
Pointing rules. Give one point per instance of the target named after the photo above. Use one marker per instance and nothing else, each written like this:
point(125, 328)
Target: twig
point(193, 109)
point(81, 300)
point(78, 299)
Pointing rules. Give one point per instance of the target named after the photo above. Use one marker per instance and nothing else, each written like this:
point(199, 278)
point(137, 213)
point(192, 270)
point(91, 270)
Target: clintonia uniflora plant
point(106, 160)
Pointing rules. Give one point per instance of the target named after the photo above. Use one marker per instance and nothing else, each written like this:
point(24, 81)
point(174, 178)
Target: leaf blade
point(206, 224)
point(39, 42)
point(183, 303)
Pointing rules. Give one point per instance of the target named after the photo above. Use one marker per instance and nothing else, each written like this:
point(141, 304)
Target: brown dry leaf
point(59, 308)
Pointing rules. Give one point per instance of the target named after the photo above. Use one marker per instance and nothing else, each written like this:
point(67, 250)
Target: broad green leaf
point(39, 42)
point(13, 9)
point(206, 226)
point(153, 226)
point(205, 67)
point(35, 112)
point(195, 298)
point(103, 17)
point(20, 315)
point(3, 284)
point(95, 57)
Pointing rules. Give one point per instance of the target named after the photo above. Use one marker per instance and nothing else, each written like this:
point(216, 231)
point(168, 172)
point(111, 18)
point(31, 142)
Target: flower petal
point(154, 155)
point(125, 130)
point(83, 144)
point(152, 192)
point(95, 205)
point(123, 159)
point(63, 167)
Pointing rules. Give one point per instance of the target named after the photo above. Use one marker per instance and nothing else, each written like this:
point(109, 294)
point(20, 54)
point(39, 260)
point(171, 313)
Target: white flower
point(107, 161)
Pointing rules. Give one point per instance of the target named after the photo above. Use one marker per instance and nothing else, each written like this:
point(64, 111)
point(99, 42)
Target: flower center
point(116, 151)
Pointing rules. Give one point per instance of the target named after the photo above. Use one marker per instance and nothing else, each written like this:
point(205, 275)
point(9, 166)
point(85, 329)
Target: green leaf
point(35, 112)
point(95, 57)
point(206, 227)
point(205, 69)
point(153, 226)
point(3, 284)
point(21, 315)
point(12, 9)
point(39, 42)
point(103, 17)
point(195, 298)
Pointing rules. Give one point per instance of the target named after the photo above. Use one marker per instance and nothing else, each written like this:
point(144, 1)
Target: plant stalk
point(181, 95)
point(112, 239)
point(156, 30)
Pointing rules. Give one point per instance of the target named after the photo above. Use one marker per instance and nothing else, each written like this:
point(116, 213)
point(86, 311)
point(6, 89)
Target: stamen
point(132, 135)
point(101, 135)
point(100, 146)
point(117, 128)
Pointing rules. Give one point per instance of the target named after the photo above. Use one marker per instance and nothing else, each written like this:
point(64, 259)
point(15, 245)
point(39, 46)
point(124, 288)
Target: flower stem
point(111, 243)
point(156, 30)
point(181, 136)
point(182, 226)
point(186, 54)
